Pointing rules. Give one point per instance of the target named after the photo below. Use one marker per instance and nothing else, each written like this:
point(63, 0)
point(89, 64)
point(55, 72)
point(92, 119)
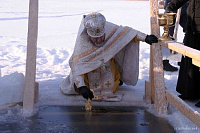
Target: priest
point(105, 56)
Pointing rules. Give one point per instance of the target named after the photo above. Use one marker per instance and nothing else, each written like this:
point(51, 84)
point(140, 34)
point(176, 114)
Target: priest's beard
point(99, 44)
point(98, 41)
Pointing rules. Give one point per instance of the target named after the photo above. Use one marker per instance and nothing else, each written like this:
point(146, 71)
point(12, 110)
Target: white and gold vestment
point(100, 68)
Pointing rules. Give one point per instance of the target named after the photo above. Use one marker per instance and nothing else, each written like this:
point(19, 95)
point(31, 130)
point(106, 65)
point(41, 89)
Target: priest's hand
point(85, 92)
point(151, 39)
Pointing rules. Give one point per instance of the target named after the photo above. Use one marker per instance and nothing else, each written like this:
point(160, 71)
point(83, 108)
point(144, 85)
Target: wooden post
point(156, 66)
point(156, 31)
point(29, 90)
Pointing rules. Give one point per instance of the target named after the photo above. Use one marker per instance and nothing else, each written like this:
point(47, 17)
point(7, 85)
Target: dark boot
point(169, 67)
point(197, 104)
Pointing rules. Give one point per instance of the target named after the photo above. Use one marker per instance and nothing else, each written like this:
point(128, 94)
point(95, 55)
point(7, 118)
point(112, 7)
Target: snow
point(58, 25)
point(11, 88)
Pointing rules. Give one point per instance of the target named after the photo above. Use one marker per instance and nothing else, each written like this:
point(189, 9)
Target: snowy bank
point(11, 89)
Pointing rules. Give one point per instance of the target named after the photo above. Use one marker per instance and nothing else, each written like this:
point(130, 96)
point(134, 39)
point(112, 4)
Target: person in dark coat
point(183, 20)
point(188, 84)
point(183, 17)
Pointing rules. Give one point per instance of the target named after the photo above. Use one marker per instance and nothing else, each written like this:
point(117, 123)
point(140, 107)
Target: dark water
point(61, 119)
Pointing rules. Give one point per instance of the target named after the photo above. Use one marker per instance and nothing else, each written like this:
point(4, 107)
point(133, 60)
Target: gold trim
point(106, 47)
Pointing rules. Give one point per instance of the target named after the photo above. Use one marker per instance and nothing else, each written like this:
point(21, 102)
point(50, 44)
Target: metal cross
point(95, 85)
point(108, 84)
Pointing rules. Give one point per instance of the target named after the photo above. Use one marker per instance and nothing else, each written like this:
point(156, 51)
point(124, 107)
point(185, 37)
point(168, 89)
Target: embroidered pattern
point(102, 80)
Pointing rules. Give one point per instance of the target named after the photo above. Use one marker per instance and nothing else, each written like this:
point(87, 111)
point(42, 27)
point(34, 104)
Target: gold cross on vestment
point(77, 82)
point(95, 85)
point(108, 84)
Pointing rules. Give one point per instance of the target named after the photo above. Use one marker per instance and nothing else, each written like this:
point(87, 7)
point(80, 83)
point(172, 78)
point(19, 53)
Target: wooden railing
point(155, 91)
point(184, 50)
point(178, 103)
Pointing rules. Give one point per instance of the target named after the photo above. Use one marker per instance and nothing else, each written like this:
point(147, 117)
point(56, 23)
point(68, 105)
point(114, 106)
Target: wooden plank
point(147, 92)
point(182, 49)
point(184, 108)
point(156, 68)
point(196, 62)
point(178, 15)
point(28, 100)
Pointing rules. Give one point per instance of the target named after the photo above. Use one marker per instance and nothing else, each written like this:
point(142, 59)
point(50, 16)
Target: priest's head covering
point(95, 24)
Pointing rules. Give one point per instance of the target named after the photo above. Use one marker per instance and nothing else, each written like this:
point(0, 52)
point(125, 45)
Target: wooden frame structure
point(155, 91)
